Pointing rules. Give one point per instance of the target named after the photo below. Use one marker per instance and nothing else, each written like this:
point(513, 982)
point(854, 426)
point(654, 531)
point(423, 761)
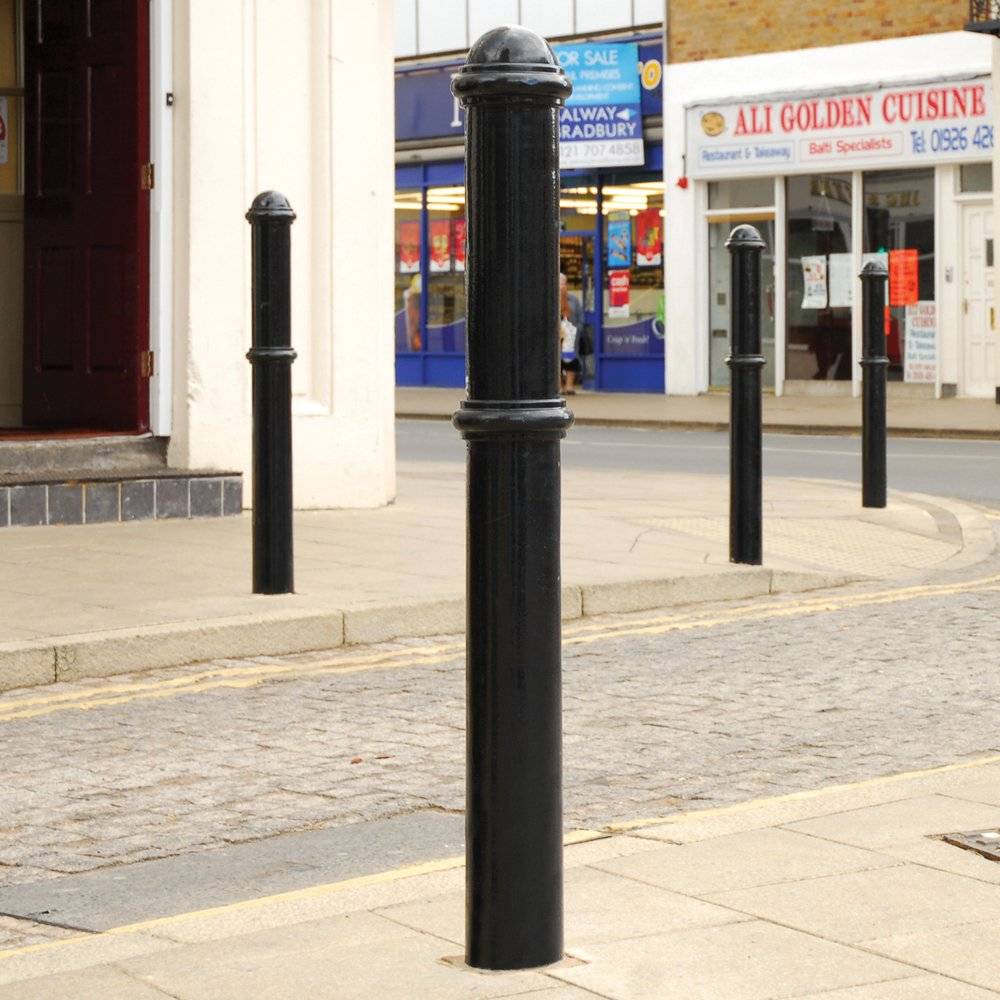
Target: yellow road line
point(803, 796)
point(294, 896)
point(252, 675)
point(448, 864)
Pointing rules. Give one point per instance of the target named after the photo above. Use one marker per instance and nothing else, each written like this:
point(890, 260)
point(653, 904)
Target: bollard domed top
point(745, 236)
point(511, 60)
point(270, 205)
point(874, 269)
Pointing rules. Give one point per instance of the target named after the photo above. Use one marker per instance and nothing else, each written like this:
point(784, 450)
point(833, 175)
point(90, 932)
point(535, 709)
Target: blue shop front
point(611, 209)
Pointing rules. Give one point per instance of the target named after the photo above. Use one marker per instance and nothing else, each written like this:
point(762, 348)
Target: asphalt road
point(968, 470)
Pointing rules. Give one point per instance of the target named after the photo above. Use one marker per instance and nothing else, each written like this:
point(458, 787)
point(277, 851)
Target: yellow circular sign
point(652, 73)
point(712, 123)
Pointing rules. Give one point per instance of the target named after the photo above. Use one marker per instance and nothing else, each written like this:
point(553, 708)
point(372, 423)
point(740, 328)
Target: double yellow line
point(575, 634)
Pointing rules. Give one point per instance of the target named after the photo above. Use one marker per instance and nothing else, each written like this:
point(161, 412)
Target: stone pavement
point(846, 893)
point(913, 415)
point(96, 600)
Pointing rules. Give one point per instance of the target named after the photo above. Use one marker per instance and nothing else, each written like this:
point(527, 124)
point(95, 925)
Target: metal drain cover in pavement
point(984, 842)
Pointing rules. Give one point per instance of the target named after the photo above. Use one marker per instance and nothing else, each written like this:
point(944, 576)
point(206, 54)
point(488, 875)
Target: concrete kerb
point(154, 647)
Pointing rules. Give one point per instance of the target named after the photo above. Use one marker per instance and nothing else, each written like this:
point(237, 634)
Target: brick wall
point(716, 29)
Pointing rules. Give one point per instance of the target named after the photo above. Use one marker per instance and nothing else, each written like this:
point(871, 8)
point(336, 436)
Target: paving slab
point(745, 961)
point(918, 987)
point(893, 822)
point(968, 952)
point(743, 861)
point(859, 906)
point(354, 957)
point(600, 907)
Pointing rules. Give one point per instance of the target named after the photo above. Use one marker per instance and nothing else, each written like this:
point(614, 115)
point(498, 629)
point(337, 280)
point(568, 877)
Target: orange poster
point(904, 277)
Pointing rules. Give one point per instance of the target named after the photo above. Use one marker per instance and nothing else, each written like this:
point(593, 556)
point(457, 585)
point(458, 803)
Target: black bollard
point(511, 87)
point(873, 373)
point(271, 357)
point(745, 362)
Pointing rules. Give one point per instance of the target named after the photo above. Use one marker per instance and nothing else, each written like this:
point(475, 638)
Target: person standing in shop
point(570, 331)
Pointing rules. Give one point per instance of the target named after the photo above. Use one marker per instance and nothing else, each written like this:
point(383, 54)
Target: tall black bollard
point(873, 372)
point(511, 86)
point(271, 356)
point(745, 419)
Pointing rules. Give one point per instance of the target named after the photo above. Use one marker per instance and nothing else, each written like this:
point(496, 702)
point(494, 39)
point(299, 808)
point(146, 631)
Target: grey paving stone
point(65, 503)
point(172, 498)
point(27, 505)
point(206, 497)
point(101, 502)
point(232, 495)
point(137, 500)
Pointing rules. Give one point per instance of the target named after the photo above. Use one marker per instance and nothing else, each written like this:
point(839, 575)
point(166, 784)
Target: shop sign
point(601, 122)
point(619, 288)
point(3, 131)
point(649, 238)
point(427, 109)
point(440, 235)
point(458, 244)
point(920, 357)
point(409, 247)
point(904, 277)
point(902, 126)
point(814, 282)
point(620, 242)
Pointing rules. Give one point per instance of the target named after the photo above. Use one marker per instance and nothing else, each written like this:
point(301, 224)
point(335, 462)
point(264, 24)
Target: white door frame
point(161, 216)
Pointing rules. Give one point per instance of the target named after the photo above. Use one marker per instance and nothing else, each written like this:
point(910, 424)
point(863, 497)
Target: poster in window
point(841, 280)
point(649, 238)
point(619, 288)
point(814, 282)
point(440, 235)
point(620, 242)
point(409, 247)
point(920, 354)
point(3, 131)
point(904, 277)
point(458, 243)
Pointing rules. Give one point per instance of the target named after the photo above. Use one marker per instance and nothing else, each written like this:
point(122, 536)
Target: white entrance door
point(978, 334)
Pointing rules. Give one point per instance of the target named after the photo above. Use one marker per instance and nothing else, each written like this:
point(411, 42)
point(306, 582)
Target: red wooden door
point(86, 291)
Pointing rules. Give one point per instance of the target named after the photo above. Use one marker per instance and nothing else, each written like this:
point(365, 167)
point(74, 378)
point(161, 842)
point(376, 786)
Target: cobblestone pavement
point(712, 709)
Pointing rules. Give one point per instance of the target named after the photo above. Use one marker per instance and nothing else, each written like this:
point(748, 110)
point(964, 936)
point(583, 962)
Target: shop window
point(899, 225)
point(976, 178)
point(819, 278)
point(633, 218)
point(730, 203)
point(446, 269)
point(747, 192)
point(409, 336)
point(578, 204)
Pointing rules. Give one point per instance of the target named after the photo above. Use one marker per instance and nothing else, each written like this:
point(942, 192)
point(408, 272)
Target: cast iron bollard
point(271, 356)
point(745, 432)
point(873, 372)
point(511, 87)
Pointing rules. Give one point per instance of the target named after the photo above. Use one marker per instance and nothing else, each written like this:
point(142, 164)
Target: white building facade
point(210, 104)
point(836, 154)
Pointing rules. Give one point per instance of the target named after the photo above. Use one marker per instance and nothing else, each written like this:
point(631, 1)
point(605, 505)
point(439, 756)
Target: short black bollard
point(873, 374)
point(271, 357)
point(511, 86)
point(745, 362)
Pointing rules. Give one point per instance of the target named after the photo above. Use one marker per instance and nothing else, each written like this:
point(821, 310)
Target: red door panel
point(86, 303)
